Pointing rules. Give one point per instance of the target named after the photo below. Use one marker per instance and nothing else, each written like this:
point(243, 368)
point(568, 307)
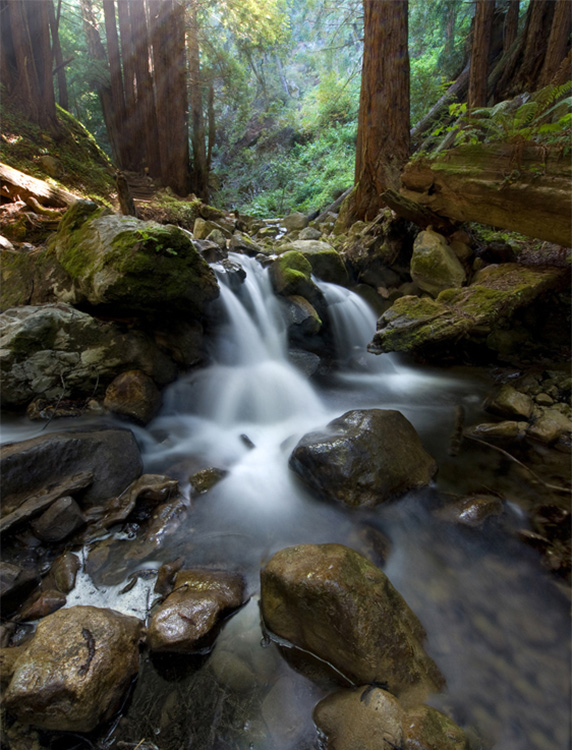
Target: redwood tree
point(383, 141)
point(482, 29)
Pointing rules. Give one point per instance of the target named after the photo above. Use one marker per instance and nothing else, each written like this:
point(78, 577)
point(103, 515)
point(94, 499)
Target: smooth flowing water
point(497, 626)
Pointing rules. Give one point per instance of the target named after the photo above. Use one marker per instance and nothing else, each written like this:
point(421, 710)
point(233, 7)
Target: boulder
point(365, 457)
point(112, 456)
point(130, 267)
point(242, 243)
point(472, 313)
point(291, 274)
point(549, 426)
point(310, 233)
point(510, 403)
point(331, 602)
point(434, 265)
point(76, 671)
point(366, 718)
point(295, 221)
point(190, 613)
point(302, 318)
point(325, 261)
point(133, 395)
point(50, 349)
point(59, 521)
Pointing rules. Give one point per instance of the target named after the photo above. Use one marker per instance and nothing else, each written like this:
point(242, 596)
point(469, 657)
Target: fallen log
point(18, 184)
point(524, 188)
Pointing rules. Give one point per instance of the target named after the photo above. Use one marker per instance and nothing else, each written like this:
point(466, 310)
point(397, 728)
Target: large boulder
point(133, 395)
point(434, 265)
point(76, 670)
point(50, 349)
point(190, 613)
point(27, 467)
point(369, 718)
point(473, 313)
point(325, 261)
point(130, 267)
point(363, 458)
point(291, 274)
point(333, 603)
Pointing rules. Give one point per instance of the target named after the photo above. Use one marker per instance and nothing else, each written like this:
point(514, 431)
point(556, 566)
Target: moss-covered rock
point(434, 265)
point(325, 261)
point(131, 267)
point(472, 313)
point(291, 274)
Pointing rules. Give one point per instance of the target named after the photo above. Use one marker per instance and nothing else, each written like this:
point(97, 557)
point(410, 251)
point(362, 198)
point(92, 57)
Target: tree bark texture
point(169, 69)
point(558, 41)
point(383, 140)
point(117, 97)
point(482, 31)
point(58, 59)
point(134, 145)
point(522, 189)
point(200, 176)
point(510, 26)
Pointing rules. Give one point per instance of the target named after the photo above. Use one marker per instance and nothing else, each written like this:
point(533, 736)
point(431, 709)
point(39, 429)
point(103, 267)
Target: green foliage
point(160, 244)
point(545, 117)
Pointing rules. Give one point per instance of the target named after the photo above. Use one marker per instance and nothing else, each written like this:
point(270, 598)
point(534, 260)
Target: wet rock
point(242, 243)
point(326, 262)
point(166, 576)
point(507, 430)
point(510, 403)
point(112, 456)
point(204, 480)
point(425, 728)
point(365, 457)
point(295, 221)
point(366, 718)
point(302, 318)
point(60, 521)
point(54, 349)
point(434, 265)
point(13, 578)
point(471, 511)
point(290, 274)
point(76, 671)
point(307, 362)
point(189, 614)
point(134, 395)
point(149, 489)
point(210, 251)
point(335, 604)
point(549, 427)
point(8, 659)
point(63, 573)
point(44, 604)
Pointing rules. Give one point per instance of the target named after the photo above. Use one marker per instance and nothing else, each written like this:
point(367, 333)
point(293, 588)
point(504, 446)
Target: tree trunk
point(133, 141)
point(200, 176)
point(145, 113)
point(212, 124)
point(383, 140)
point(58, 57)
point(169, 57)
point(522, 189)
point(510, 27)
point(557, 42)
point(480, 53)
point(117, 99)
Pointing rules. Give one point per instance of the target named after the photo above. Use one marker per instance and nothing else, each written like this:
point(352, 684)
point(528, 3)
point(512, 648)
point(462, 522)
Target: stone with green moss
point(128, 266)
point(434, 265)
point(472, 313)
point(325, 261)
point(291, 274)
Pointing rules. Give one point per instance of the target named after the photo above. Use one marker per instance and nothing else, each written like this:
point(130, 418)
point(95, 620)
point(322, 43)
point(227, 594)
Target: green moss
point(294, 262)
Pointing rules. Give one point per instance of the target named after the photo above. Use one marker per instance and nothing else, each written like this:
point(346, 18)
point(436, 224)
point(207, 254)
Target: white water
point(250, 388)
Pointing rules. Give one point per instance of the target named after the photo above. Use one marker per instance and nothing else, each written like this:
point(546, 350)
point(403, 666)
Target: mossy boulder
point(336, 605)
point(325, 261)
point(131, 267)
point(291, 274)
point(472, 313)
point(434, 265)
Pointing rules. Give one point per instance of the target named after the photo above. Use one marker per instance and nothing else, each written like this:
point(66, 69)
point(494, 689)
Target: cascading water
point(506, 665)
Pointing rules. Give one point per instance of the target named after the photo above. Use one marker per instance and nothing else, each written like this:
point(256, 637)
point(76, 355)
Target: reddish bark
point(480, 53)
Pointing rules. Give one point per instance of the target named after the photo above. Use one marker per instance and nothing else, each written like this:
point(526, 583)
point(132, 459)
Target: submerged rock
point(190, 613)
point(76, 670)
point(333, 603)
point(472, 510)
point(365, 457)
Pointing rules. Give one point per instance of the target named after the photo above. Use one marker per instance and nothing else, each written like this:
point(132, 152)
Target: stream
point(497, 626)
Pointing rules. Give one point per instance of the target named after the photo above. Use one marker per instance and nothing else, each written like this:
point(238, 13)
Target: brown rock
point(134, 395)
point(76, 670)
point(192, 610)
point(60, 521)
point(335, 604)
point(47, 602)
point(425, 728)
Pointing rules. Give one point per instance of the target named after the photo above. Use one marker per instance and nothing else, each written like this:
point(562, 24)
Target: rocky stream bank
point(110, 310)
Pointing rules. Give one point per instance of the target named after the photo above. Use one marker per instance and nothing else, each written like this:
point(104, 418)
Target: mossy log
point(16, 184)
point(524, 188)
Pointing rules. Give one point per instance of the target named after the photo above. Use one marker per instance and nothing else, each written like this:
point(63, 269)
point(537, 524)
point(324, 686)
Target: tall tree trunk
point(39, 25)
point(480, 53)
point(134, 145)
point(558, 42)
point(117, 99)
point(169, 58)
point(97, 52)
point(510, 27)
point(200, 176)
point(57, 56)
point(383, 141)
point(212, 124)
point(146, 120)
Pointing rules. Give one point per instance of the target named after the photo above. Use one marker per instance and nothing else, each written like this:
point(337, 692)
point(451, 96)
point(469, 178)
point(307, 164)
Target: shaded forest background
point(254, 104)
